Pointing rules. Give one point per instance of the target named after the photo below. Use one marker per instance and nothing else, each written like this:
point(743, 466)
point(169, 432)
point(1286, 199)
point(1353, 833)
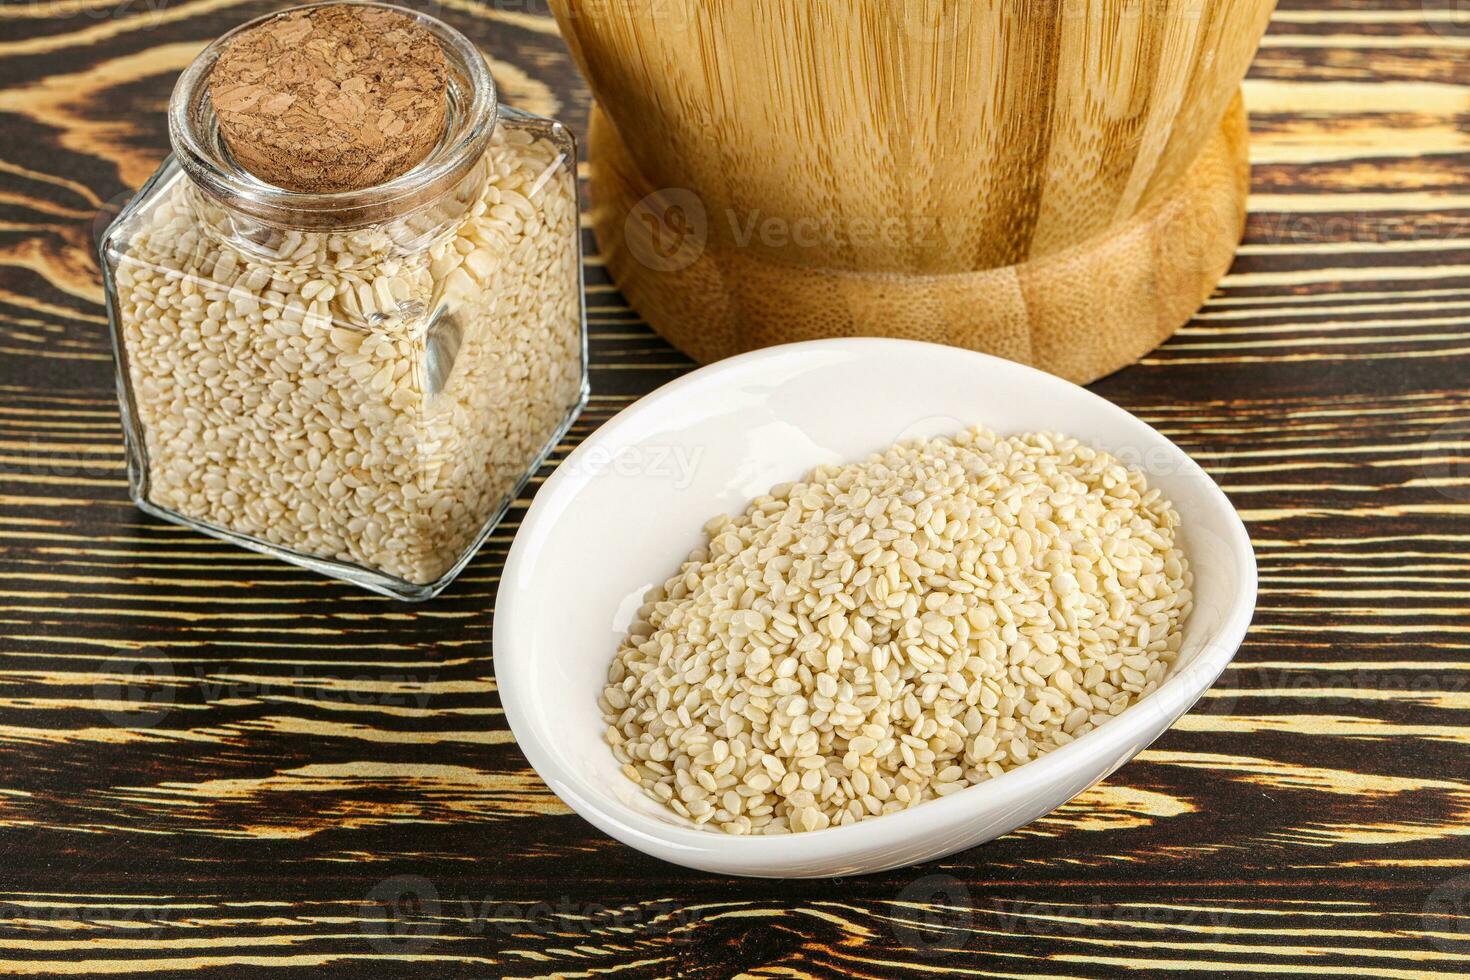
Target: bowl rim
point(699, 847)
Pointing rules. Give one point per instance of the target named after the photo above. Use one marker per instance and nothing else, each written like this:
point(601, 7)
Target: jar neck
point(470, 118)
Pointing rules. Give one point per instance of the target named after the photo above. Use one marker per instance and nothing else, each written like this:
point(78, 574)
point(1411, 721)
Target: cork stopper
point(331, 98)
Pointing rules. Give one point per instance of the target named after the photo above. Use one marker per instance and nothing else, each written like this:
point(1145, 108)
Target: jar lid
point(334, 97)
point(467, 103)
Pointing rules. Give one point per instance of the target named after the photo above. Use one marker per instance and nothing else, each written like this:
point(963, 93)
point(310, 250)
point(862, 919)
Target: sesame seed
point(1002, 618)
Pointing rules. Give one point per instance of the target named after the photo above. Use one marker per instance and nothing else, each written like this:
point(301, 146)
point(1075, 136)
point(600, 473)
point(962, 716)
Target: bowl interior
point(623, 511)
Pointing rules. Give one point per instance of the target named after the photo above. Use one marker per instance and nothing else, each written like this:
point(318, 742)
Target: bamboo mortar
point(1059, 182)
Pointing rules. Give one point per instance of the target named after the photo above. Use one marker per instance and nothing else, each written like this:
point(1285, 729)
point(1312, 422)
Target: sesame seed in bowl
point(814, 685)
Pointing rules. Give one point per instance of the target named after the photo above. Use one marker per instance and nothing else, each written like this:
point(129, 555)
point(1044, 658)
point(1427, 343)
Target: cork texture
point(331, 98)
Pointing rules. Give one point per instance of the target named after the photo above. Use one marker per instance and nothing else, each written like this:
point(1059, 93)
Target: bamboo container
point(1062, 183)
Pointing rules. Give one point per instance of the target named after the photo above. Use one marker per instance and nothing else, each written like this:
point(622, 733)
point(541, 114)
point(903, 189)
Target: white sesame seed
point(930, 617)
point(317, 343)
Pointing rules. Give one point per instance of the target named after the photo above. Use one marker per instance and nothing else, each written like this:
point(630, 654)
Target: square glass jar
point(360, 382)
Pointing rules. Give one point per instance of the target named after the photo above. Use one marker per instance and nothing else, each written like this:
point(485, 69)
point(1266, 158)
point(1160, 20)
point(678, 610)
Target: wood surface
point(213, 764)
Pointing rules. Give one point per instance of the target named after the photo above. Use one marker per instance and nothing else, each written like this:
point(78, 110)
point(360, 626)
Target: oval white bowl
point(624, 510)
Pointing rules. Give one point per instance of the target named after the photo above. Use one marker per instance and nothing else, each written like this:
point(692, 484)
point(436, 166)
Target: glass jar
point(358, 382)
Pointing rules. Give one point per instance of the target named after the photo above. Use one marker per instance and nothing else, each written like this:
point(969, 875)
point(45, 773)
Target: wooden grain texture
point(986, 174)
point(968, 136)
point(711, 300)
point(212, 764)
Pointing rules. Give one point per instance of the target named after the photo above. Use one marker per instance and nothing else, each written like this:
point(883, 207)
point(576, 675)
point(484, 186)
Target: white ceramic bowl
point(627, 506)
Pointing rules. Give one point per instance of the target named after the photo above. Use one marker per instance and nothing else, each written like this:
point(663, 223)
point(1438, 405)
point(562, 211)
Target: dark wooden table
point(210, 761)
